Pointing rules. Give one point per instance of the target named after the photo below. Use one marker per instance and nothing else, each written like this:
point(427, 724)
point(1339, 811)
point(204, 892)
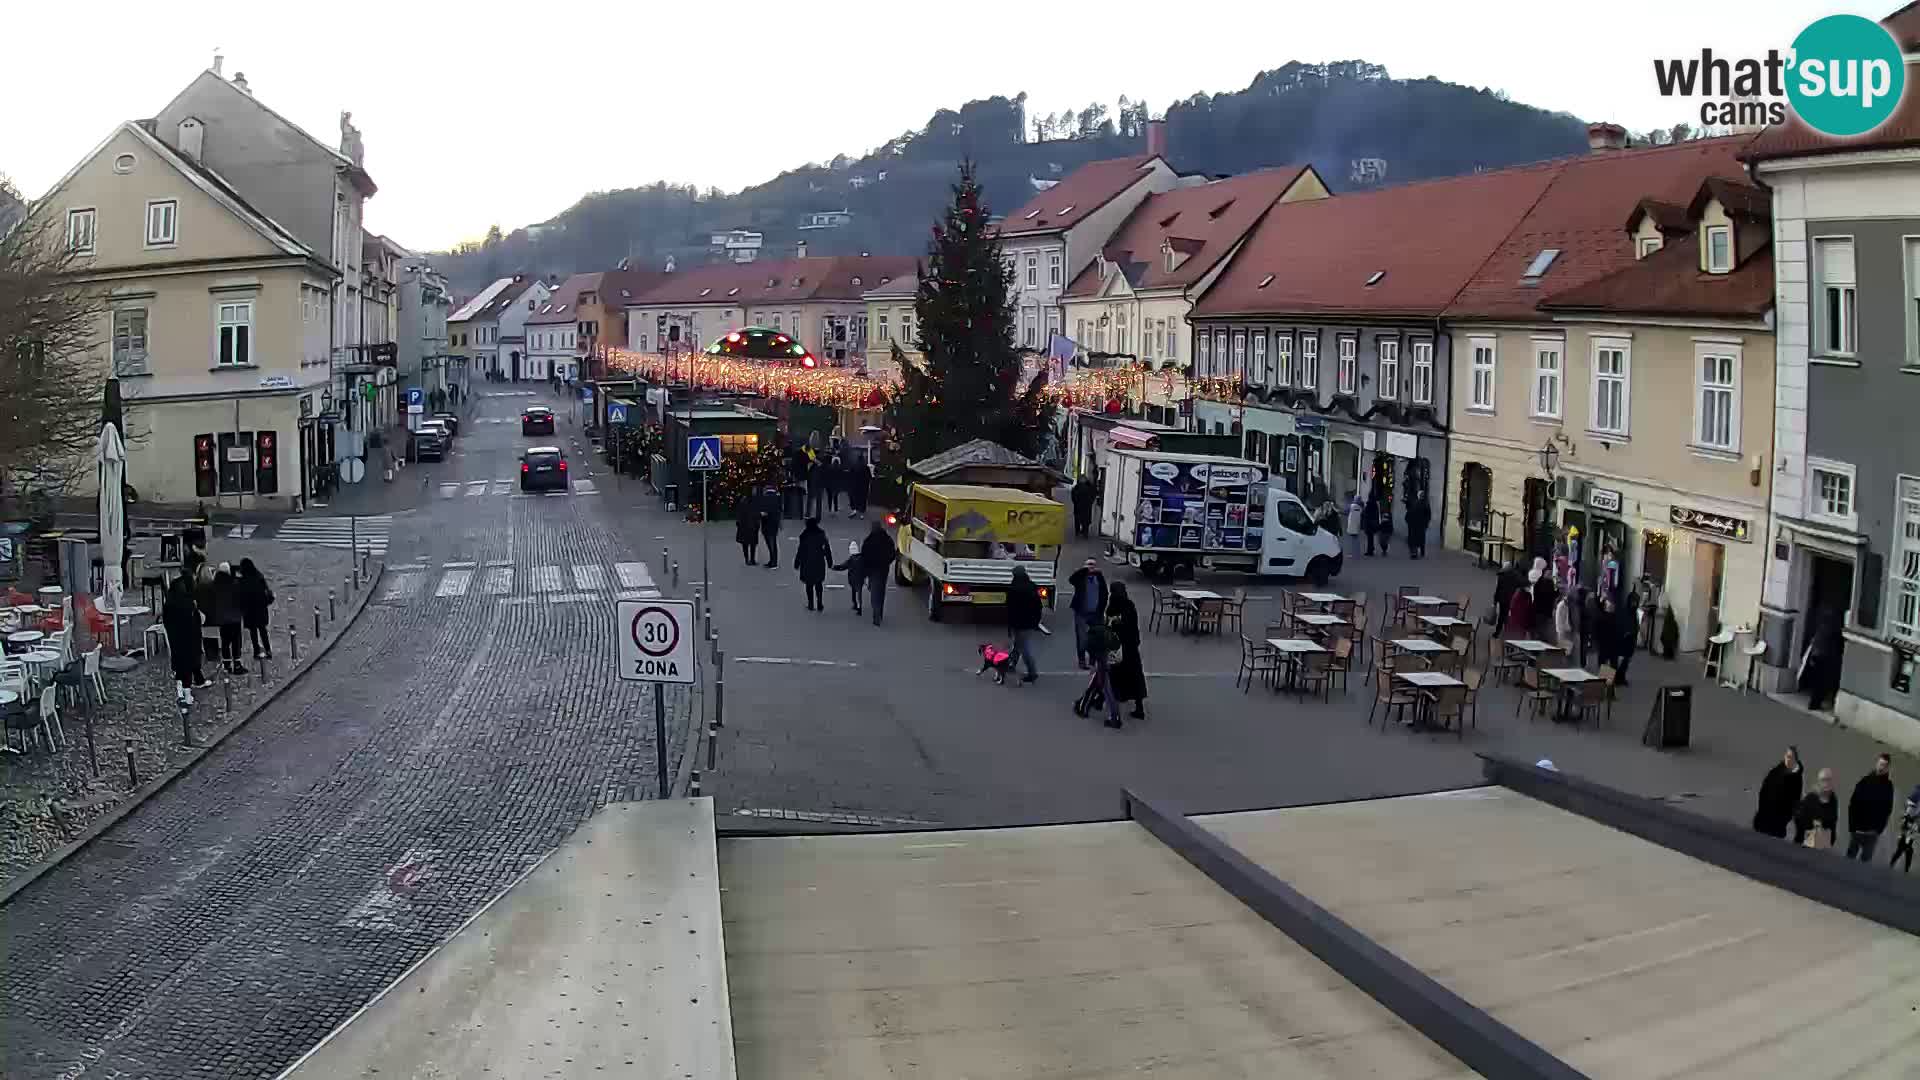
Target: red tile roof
point(1580, 214)
point(1429, 237)
point(1078, 194)
point(618, 288)
point(564, 305)
point(522, 284)
point(1203, 222)
point(821, 277)
point(1901, 130)
point(1670, 282)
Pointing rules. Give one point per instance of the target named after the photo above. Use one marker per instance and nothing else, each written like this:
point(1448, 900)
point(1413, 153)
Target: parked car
point(451, 421)
point(430, 443)
point(536, 420)
point(543, 468)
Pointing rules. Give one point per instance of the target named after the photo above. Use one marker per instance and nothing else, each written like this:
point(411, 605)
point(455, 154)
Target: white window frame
point(1816, 508)
point(1239, 353)
point(1707, 236)
point(1601, 380)
point(1310, 360)
point(1172, 341)
point(1053, 268)
point(906, 327)
point(1346, 369)
point(132, 361)
point(1647, 245)
point(1548, 382)
point(885, 333)
point(1203, 354)
point(1910, 261)
point(1828, 294)
point(82, 225)
point(169, 217)
point(1258, 371)
point(1033, 270)
point(1283, 359)
point(1702, 351)
point(1423, 372)
point(1903, 577)
point(1220, 353)
point(227, 344)
point(1386, 370)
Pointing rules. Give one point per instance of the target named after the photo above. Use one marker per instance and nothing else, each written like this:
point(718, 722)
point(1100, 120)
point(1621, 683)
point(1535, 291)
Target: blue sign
point(703, 452)
point(616, 413)
point(586, 393)
point(416, 396)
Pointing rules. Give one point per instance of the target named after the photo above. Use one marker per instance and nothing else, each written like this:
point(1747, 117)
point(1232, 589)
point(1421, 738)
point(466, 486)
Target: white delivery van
point(1170, 514)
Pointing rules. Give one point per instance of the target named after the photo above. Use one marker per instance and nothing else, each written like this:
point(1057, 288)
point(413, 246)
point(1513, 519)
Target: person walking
point(816, 484)
point(1384, 522)
point(810, 556)
point(836, 479)
point(1083, 497)
point(1589, 623)
point(1779, 795)
point(770, 524)
point(1419, 516)
point(1820, 668)
point(181, 616)
point(1818, 814)
point(1023, 620)
point(1563, 628)
point(226, 616)
point(746, 530)
point(1354, 511)
point(859, 479)
point(1370, 522)
point(1089, 607)
point(1908, 832)
point(1544, 598)
point(877, 555)
point(856, 570)
point(1127, 679)
point(1869, 808)
point(1519, 612)
point(1625, 635)
point(256, 607)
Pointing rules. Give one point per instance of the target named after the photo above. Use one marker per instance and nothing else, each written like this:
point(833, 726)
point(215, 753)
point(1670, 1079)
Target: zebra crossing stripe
point(400, 586)
point(503, 487)
point(499, 580)
point(476, 488)
point(640, 594)
point(448, 491)
point(633, 575)
point(589, 577)
point(585, 487)
point(545, 578)
point(454, 583)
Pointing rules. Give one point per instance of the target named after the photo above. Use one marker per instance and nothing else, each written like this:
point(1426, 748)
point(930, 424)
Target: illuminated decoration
point(760, 343)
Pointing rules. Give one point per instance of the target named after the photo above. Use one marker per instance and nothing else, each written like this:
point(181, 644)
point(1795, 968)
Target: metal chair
point(1475, 679)
point(1233, 608)
point(1590, 698)
point(1533, 696)
point(1314, 671)
point(1340, 664)
point(1386, 693)
point(1256, 658)
point(1165, 605)
point(1207, 616)
point(1507, 663)
point(1448, 702)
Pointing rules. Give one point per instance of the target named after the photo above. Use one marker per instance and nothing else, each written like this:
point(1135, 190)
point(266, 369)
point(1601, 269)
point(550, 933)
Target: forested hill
point(1350, 119)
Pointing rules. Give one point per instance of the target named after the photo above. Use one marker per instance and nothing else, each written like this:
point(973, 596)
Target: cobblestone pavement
point(453, 737)
point(139, 712)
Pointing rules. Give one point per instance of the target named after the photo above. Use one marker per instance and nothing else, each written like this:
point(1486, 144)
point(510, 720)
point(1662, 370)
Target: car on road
point(536, 420)
point(451, 421)
point(430, 442)
point(543, 468)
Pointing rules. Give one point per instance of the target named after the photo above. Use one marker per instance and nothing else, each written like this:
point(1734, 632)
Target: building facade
point(555, 332)
point(816, 300)
point(425, 358)
point(890, 326)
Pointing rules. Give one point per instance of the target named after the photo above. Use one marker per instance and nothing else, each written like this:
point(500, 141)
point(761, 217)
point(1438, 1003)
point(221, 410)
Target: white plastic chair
point(1753, 653)
point(156, 634)
point(50, 718)
point(13, 676)
point(91, 670)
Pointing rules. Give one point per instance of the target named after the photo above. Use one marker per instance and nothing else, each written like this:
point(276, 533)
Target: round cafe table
point(21, 638)
point(122, 612)
point(40, 663)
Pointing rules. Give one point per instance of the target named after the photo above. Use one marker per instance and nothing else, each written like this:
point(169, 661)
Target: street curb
point(159, 783)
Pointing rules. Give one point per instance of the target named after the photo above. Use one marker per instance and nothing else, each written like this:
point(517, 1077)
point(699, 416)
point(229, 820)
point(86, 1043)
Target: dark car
point(451, 421)
point(536, 420)
point(430, 443)
point(543, 468)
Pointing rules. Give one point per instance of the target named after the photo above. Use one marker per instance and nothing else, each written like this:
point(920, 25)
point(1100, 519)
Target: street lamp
point(1549, 457)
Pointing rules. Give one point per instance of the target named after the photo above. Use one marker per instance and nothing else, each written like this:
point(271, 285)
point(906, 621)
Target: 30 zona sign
point(656, 640)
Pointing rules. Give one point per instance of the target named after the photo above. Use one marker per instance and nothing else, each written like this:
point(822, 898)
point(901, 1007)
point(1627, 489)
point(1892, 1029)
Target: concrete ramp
point(605, 960)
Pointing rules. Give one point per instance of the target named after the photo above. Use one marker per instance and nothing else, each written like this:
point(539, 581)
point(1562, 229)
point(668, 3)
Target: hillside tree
point(969, 384)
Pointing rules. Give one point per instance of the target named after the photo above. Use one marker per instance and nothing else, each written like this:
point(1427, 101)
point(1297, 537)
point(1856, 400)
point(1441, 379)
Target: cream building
point(817, 300)
point(214, 317)
point(890, 324)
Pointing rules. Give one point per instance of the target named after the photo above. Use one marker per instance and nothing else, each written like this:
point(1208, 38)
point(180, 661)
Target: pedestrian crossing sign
point(703, 452)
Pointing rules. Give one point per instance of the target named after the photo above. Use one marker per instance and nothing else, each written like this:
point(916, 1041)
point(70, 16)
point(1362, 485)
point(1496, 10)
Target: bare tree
point(51, 382)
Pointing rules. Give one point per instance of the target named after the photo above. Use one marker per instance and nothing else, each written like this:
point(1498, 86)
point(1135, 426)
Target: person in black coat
point(877, 555)
point(1625, 635)
point(811, 557)
point(1083, 499)
point(225, 600)
point(746, 530)
point(1370, 524)
point(1089, 607)
point(256, 607)
point(1024, 611)
point(1779, 795)
point(1544, 597)
point(1869, 809)
point(816, 487)
point(1419, 516)
point(859, 476)
point(836, 482)
point(181, 616)
point(1129, 676)
point(770, 524)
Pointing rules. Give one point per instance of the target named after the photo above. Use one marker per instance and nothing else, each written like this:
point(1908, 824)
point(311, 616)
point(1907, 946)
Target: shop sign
point(1402, 445)
point(1309, 425)
point(1722, 525)
point(1604, 499)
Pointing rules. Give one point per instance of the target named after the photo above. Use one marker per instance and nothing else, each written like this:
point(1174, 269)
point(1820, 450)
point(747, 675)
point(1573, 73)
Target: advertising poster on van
point(1201, 506)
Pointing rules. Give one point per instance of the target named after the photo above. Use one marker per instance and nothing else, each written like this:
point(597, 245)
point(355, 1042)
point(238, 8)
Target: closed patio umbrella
point(112, 453)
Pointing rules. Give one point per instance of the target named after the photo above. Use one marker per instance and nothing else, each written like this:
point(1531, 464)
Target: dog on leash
point(997, 660)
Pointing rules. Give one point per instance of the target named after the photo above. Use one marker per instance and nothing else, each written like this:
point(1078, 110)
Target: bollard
point(293, 645)
point(713, 735)
point(345, 582)
point(316, 622)
point(332, 612)
point(226, 691)
point(663, 560)
point(693, 787)
point(676, 573)
point(363, 562)
point(133, 769)
point(719, 689)
point(61, 821)
point(186, 724)
point(260, 670)
point(356, 576)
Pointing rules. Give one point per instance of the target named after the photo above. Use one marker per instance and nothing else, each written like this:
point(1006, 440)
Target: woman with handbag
point(1128, 675)
point(1815, 822)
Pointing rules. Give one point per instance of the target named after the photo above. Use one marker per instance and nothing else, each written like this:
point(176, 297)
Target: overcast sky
point(476, 113)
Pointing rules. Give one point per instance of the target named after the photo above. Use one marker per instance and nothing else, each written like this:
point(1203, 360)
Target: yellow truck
point(965, 541)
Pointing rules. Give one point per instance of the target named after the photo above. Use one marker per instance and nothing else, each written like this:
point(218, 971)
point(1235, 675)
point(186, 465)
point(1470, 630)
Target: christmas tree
point(969, 385)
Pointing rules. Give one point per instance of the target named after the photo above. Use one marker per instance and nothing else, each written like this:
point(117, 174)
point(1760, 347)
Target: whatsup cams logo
point(1843, 76)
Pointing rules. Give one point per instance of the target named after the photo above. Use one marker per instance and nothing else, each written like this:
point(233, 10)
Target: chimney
point(218, 60)
point(240, 82)
point(190, 141)
point(1156, 138)
point(1602, 137)
point(803, 249)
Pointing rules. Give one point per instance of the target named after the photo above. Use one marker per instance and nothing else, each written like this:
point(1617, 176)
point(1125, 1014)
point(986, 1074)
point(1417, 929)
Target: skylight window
point(1221, 209)
point(704, 292)
point(1264, 282)
point(1031, 214)
point(559, 309)
point(1541, 262)
point(1069, 209)
point(735, 291)
point(1375, 279)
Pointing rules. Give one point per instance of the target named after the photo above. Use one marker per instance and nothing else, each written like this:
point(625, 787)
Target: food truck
point(966, 540)
point(1168, 514)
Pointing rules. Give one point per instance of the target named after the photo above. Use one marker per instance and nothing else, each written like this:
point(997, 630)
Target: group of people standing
point(1106, 643)
point(1595, 625)
point(1814, 816)
point(1372, 520)
point(828, 477)
point(205, 610)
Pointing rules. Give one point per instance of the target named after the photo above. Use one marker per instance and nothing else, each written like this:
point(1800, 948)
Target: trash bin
point(670, 494)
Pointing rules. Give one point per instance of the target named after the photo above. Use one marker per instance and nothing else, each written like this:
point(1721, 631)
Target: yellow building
point(890, 325)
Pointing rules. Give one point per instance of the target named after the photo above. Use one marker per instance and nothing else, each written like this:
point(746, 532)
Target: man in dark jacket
point(1083, 497)
point(1089, 607)
point(877, 555)
point(1869, 808)
point(1023, 619)
point(770, 524)
point(816, 486)
point(859, 476)
point(811, 556)
point(1419, 516)
point(1370, 524)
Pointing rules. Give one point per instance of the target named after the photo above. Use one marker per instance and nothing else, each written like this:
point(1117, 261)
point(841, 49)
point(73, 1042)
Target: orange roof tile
point(1078, 194)
point(1670, 282)
point(819, 277)
point(1203, 222)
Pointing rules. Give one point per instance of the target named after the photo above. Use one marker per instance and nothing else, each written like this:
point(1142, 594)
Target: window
point(1650, 244)
point(130, 341)
point(1146, 339)
point(1905, 622)
point(1033, 270)
point(1310, 360)
point(1259, 370)
point(776, 321)
point(162, 222)
point(1026, 327)
point(906, 326)
point(793, 320)
point(1256, 446)
point(80, 231)
point(235, 464)
point(1717, 416)
point(1239, 352)
point(1053, 268)
point(1388, 383)
point(1719, 240)
point(1913, 301)
point(1283, 359)
point(1830, 493)
point(1347, 371)
point(1481, 396)
point(1053, 323)
point(1220, 353)
point(236, 333)
point(1546, 379)
point(1079, 331)
point(1173, 339)
point(882, 332)
point(1203, 355)
point(1833, 262)
point(1610, 384)
point(1542, 262)
point(1423, 373)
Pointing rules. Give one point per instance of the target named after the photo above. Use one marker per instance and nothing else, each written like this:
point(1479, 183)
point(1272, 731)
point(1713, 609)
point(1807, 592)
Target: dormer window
point(705, 291)
point(1648, 245)
point(735, 291)
point(1374, 279)
point(1541, 264)
point(856, 279)
point(1264, 282)
point(1031, 214)
point(773, 282)
point(1068, 210)
point(1718, 240)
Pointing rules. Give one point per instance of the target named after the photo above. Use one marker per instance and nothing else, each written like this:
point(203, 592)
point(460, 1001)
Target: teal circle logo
point(1847, 75)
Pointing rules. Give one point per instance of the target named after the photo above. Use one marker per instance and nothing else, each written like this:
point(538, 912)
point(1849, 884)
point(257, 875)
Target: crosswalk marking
point(640, 594)
point(499, 580)
point(589, 577)
point(454, 583)
point(585, 487)
point(476, 488)
point(373, 532)
point(633, 575)
point(503, 487)
point(400, 586)
point(448, 491)
point(242, 532)
point(545, 578)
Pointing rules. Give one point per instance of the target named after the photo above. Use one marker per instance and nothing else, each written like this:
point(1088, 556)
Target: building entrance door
point(1703, 608)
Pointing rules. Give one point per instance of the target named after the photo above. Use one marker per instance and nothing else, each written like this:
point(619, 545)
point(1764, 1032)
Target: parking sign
point(656, 640)
point(416, 400)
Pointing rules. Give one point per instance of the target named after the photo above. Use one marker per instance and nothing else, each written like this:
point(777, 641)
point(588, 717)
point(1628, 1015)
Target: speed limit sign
point(656, 640)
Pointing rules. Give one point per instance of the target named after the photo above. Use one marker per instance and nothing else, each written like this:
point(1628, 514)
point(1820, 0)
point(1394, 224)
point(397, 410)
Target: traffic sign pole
point(660, 736)
point(706, 567)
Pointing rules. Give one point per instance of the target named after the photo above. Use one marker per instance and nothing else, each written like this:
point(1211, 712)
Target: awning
point(1132, 438)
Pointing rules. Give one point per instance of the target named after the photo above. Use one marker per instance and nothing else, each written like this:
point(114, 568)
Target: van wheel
point(1317, 571)
point(933, 600)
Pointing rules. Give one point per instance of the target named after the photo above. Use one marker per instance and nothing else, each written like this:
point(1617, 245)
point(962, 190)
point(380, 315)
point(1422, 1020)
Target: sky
point(479, 113)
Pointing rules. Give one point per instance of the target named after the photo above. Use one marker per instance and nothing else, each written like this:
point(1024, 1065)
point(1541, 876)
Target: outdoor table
point(1530, 646)
point(1324, 599)
point(1425, 601)
point(1291, 650)
point(1565, 679)
point(19, 639)
point(1318, 618)
point(1418, 645)
point(1193, 598)
point(37, 660)
point(125, 611)
point(1442, 621)
point(1426, 680)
